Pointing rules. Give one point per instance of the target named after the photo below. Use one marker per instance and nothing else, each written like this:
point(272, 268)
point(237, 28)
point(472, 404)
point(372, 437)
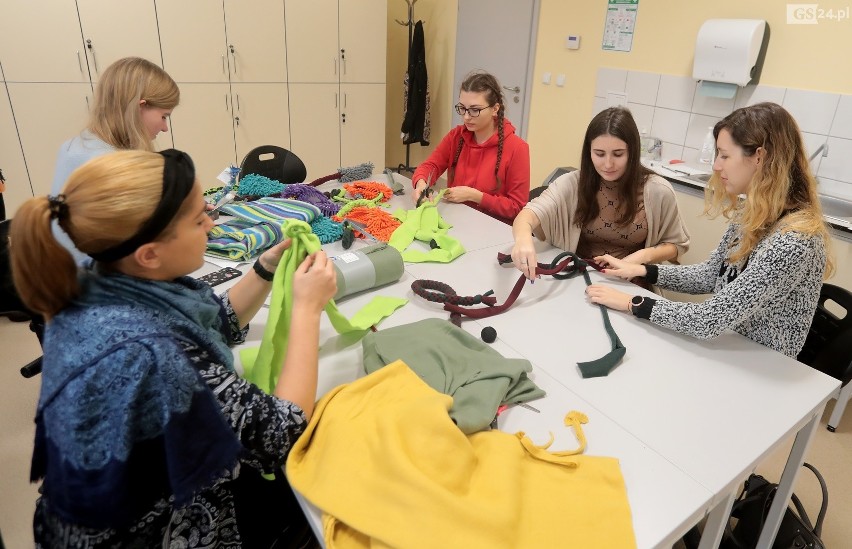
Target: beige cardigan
point(555, 211)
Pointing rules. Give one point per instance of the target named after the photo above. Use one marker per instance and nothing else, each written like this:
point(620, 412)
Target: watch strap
point(262, 272)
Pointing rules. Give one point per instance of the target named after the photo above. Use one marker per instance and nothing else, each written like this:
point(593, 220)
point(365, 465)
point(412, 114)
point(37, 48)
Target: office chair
point(827, 347)
point(11, 305)
point(534, 193)
point(275, 163)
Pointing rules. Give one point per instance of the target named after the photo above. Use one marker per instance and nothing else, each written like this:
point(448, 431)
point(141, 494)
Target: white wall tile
point(752, 94)
point(842, 125)
point(690, 156)
point(610, 80)
point(671, 151)
point(676, 92)
point(643, 115)
point(834, 188)
point(712, 106)
point(598, 105)
point(697, 129)
point(670, 125)
point(813, 110)
point(642, 87)
point(838, 164)
point(812, 142)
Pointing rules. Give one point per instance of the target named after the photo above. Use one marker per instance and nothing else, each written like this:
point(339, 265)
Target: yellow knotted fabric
point(388, 468)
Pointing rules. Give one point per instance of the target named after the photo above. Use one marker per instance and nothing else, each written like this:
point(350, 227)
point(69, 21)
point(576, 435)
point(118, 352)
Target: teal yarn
point(327, 230)
point(258, 185)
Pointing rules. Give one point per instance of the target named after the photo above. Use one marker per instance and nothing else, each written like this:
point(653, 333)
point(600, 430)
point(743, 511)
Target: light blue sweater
point(72, 154)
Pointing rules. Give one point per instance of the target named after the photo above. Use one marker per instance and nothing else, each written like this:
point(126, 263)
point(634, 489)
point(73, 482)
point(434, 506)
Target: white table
point(687, 419)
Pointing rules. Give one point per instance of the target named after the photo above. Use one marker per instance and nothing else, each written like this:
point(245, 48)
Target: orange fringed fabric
point(369, 190)
point(377, 222)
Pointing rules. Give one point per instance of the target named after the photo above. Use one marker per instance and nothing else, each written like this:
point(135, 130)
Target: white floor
point(830, 452)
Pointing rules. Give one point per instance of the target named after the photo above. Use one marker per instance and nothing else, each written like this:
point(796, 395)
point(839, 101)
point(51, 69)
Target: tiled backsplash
point(669, 107)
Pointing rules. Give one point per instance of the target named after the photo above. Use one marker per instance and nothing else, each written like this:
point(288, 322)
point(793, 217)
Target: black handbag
point(749, 511)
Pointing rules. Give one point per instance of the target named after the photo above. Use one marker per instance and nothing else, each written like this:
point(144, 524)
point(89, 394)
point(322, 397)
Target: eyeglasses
point(472, 111)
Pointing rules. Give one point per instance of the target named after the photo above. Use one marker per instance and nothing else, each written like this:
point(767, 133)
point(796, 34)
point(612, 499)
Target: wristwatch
point(636, 301)
point(262, 272)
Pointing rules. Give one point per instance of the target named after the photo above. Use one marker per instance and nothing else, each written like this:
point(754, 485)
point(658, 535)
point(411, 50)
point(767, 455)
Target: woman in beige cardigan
point(612, 205)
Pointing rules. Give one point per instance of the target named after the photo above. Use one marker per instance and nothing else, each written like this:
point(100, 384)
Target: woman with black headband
point(145, 434)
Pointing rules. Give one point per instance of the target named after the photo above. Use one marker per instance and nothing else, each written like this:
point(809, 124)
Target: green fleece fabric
point(425, 224)
point(452, 361)
point(262, 365)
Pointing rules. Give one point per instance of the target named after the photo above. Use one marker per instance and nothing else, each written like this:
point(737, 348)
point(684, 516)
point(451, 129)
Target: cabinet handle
point(345, 96)
point(79, 62)
point(223, 63)
point(87, 103)
point(237, 120)
point(226, 102)
point(335, 66)
point(238, 103)
point(94, 57)
point(335, 100)
point(233, 56)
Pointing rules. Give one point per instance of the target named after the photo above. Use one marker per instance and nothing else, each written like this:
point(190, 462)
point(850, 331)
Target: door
point(362, 125)
point(256, 42)
point(192, 35)
point(260, 116)
point(508, 56)
point(40, 43)
point(315, 127)
point(113, 29)
point(202, 125)
point(312, 50)
point(65, 105)
point(363, 40)
point(12, 162)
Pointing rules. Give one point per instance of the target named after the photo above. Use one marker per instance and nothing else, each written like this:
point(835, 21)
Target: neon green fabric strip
point(425, 224)
point(262, 365)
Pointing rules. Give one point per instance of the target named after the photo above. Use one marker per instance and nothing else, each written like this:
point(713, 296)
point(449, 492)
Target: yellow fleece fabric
point(388, 468)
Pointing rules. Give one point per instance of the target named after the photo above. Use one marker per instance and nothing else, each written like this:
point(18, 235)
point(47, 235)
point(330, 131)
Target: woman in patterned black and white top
point(768, 269)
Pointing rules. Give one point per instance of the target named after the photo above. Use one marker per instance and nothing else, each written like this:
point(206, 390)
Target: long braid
point(500, 139)
point(451, 173)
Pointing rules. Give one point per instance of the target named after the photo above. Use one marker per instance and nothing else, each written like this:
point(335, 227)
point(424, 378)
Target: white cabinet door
point(256, 42)
point(113, 29)
point(192, 35)
point(315, 127)
point(47, 115)
point(312, 50)
point(41, 43)
point(202, 127)
point(363, 40)
point(12, 161)
point(260, 116)
point(362, 125)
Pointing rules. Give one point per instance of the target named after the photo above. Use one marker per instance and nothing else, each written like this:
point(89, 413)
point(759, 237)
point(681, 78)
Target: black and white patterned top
point(267, 427)
point(769, 297)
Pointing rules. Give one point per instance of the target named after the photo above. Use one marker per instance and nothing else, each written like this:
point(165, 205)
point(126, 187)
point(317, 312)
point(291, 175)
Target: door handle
point(516, 89)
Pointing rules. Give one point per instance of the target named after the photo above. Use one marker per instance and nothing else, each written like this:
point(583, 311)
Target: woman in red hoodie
point(487, 165)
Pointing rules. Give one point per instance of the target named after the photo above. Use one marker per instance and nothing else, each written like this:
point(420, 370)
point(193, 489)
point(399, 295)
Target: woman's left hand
point(272, 257)
point(609, 297)
point(463, 194)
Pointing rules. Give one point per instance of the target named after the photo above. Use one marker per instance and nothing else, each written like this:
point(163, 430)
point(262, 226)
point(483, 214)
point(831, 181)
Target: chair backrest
point(9, 301)
point(827, 347)
point(275, 163)
point(535, 192)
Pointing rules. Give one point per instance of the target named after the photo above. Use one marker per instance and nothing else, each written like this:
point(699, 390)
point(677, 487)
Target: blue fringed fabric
point(327, 231)
point(124, 419)
point(258, 185)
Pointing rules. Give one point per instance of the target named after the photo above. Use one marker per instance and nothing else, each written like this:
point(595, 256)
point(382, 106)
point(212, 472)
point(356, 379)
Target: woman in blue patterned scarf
point(145, 434)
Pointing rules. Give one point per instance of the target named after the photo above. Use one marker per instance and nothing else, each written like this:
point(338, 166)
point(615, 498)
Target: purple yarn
point(306, 193)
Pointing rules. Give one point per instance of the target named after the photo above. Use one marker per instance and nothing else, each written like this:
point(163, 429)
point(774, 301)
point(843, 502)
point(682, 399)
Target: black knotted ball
point(489, 334)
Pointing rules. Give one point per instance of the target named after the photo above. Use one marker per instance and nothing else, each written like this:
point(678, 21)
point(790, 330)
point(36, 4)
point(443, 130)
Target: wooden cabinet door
point(363, 40)
point(202, 126)
point(12, 163)
point(47, 115)
point(256, 41)
point(40, 43)
point(113, 29)
point(312, 50)
point(192, 35)
point(362, 125)
point(261, 116)
point(315, 127)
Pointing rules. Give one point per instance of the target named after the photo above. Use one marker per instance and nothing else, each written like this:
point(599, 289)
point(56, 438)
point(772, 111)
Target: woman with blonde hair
point(133, 100)
point(767, 272)
point(145, 434)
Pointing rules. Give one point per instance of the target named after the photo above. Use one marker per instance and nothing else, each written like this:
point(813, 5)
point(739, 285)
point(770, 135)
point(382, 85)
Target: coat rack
point(410, 24)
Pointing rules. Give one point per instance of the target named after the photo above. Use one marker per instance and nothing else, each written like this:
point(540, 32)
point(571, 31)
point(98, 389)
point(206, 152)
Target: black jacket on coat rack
point(415, 123)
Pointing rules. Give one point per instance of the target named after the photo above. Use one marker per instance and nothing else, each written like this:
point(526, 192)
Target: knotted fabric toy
point(426, 225)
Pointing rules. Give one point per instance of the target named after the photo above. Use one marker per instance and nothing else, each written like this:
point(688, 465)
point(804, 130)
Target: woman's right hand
point(620, 268)
point(419, 187)
point(523, 256)
point(314, 282)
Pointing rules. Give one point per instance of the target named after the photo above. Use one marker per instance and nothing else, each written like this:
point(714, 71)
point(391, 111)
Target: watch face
point(637, 300)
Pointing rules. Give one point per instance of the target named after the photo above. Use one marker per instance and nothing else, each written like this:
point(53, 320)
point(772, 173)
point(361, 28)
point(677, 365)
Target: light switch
point(560, 80)
point(545, 79)
point(572, 42)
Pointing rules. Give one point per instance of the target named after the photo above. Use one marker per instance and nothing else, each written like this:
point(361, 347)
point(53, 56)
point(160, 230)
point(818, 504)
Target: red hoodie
point(475, 168)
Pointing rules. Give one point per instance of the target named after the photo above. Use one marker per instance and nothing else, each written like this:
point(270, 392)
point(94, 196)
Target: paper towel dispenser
point(730, 51)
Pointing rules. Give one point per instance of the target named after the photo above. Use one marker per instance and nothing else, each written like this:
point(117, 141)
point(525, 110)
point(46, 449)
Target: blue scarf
point(124, 419)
